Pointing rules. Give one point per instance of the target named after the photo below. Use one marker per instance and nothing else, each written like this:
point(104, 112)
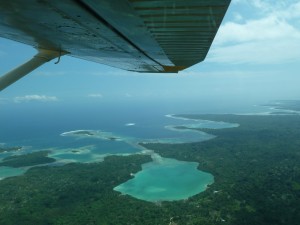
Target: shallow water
point(166, 180)
point(10, 172)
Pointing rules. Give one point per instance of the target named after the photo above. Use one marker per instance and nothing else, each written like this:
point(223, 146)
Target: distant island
point(31, 159)
point(92, 133)
point(10, 149)
point(83, 132)
point(293, 105)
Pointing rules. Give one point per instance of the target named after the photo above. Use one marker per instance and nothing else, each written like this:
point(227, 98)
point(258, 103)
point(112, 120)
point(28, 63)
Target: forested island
point(293, 105)
point(30, 159)
point(257, 181)
point(10, 149)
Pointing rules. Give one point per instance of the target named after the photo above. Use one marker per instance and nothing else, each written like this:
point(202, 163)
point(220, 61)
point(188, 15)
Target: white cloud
point(295, 10)
point(266, 5)
point(40, 98)
point(273, 38)
point(95, 95)
point(261, 52)
point(238, 17)
point(269, 28)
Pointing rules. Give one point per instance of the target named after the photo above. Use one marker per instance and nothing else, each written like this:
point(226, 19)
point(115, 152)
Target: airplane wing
point(135, 35)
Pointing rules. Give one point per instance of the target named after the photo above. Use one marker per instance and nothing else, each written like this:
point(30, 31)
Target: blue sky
point(255, 57)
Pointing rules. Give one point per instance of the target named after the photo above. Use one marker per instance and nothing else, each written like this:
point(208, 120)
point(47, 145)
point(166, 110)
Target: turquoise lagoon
point(6, 171)
point(160, 180)
point(166, 180)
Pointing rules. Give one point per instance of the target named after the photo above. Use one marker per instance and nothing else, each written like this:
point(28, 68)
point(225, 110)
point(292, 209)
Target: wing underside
point(135, 35)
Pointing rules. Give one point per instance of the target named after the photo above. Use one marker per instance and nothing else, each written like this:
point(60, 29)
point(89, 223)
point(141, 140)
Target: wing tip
point(173, 69)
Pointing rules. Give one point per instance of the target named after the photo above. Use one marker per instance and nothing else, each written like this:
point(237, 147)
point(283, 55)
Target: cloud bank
point(272, 36)
point(39, 98)
point(95, 95)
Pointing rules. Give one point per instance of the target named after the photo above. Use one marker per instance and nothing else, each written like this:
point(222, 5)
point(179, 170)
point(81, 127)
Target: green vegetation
point(10, 149)
point(31, 159)
point(83, 132)
point(257, 181)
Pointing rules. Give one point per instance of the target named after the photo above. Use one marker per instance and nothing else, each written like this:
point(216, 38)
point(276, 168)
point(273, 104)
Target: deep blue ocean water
point(40, 125)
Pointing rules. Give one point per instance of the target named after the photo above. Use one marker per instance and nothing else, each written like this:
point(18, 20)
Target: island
point(83, 132)
point(30, 159)
point(291, 105)
point(92, 133)
point(10, 149)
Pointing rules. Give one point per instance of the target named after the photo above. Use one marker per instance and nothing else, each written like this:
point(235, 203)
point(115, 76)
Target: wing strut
point(39, 59)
